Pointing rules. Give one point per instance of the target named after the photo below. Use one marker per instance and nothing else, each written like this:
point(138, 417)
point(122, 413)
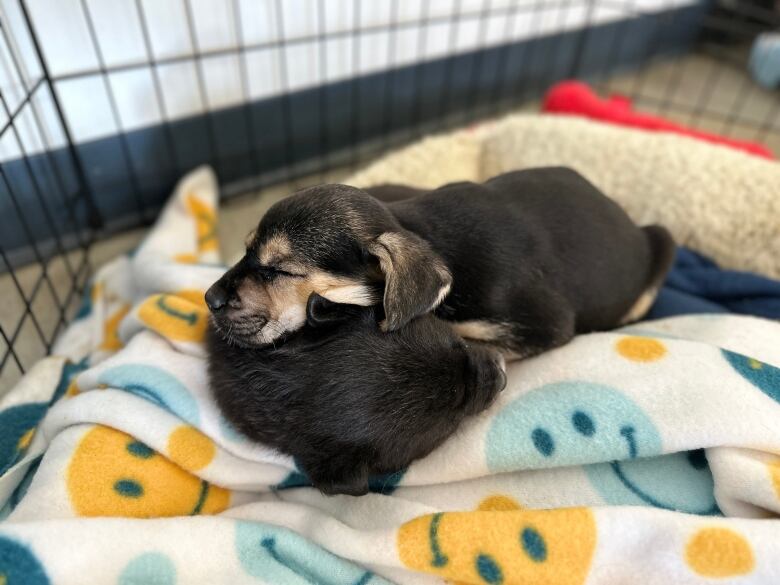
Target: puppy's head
point(333, 240)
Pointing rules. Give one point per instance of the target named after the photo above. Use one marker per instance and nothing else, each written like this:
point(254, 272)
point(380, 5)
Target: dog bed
point(649, 452)
point(721, 202)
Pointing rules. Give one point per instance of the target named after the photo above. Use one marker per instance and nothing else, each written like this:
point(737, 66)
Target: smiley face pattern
point(112, 474)
point(569, 423)
point(277, 555)
point(181, 317)
point(19, 566)
point(547, 547)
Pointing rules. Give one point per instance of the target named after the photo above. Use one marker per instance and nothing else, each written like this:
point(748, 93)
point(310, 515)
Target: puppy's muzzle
point(218, 297)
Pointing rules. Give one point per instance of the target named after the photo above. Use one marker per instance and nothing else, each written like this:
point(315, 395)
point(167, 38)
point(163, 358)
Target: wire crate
point(104, 104)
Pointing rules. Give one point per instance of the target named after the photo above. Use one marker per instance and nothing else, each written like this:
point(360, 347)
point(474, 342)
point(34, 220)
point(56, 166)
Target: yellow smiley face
point(112, 474)
point(179, 317)
point(545, 547)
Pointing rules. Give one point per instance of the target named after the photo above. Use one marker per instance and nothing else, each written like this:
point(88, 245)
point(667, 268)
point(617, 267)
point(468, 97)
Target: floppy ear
point(416, 278)
point(321, 312)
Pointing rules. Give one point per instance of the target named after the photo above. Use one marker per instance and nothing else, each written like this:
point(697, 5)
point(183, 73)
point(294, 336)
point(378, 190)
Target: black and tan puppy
point(523, 261)
point(347, 399)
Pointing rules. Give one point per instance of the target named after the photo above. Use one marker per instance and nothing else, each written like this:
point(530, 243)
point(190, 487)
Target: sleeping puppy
point(522, 262)
point(347, 399)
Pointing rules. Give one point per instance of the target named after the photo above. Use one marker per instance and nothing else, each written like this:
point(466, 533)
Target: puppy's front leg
point(344, 472)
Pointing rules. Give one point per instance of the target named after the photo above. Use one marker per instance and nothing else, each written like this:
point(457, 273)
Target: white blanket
point(647, 455)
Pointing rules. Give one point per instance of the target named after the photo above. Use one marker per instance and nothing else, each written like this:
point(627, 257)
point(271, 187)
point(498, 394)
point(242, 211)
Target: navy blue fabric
point(697, 285)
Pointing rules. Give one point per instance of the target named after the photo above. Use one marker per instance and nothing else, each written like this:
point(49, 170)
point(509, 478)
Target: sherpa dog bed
point(721, 202)
point(613, 459)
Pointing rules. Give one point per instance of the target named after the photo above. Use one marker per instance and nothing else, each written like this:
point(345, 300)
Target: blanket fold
point(651, 451)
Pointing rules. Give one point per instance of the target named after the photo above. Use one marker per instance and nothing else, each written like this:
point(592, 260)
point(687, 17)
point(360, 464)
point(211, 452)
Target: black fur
point(540, 251)
point(348, 400)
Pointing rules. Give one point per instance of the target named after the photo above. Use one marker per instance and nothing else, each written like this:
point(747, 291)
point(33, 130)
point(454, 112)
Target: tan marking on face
point(276, 249)
point(641, 306)
point(283, 301)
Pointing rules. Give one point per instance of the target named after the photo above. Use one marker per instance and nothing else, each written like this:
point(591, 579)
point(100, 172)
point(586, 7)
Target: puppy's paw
point(486, 378)
point(338, 474)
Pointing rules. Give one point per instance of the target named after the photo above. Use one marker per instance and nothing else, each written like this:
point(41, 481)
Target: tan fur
point(641, 306)
point(275, 250)
point(480, 330)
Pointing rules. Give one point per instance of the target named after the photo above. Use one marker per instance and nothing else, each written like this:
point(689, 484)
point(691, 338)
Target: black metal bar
point(289, 146)
point(415, 128)
point(27, 302)
point(355, 97)
point(41, 200)
point(322, 96)
point(31, 90)
point(26, 100)
point(392, 58)
point(446, 93)
point(655, 36)
point(529, 48)
point(617, 42)
point(28, 167)
point(502, 77)
point(95, 219)
point(9, 352)
point(582, 41)
point(123, 144)
point(201, 77)
point(303, 39)
point(472, 91)
point(244, 76)
point(157, 83)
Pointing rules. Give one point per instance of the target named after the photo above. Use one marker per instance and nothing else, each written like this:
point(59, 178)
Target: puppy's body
point(523, 261)
point(535, 255)
point(348, 400)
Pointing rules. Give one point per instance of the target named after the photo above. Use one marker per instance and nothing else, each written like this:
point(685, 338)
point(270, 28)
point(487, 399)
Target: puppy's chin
point(256, 333)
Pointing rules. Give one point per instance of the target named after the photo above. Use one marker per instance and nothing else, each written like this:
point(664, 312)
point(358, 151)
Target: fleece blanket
point(650, 454)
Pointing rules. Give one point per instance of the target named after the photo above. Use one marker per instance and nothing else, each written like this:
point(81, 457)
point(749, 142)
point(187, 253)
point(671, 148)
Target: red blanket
point(573, 97)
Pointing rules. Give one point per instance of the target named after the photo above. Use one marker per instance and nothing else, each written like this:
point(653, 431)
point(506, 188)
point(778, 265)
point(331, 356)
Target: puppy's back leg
point(536, 319)
point(662, 254)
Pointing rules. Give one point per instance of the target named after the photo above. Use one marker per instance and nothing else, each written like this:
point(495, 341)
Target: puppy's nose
point(216, 298)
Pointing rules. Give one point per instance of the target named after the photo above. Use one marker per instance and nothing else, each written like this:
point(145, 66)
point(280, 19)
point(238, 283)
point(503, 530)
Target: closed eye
point(270, 271)
point(286, 273)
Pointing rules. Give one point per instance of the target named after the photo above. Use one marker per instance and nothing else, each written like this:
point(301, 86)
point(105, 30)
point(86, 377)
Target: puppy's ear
point(416, 278)
point(320, 312)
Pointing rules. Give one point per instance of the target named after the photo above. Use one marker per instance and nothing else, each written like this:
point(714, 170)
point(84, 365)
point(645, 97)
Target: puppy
point(523, 261)
point(346, 399)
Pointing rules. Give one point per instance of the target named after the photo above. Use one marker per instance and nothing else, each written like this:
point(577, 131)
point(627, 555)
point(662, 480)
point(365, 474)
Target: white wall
point(62, 28)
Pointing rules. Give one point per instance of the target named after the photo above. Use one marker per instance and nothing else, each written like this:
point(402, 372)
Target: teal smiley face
point(679, 481)
point(277, 555)
point(763, 376)
point(18, 565)
point(155, 385)
point(569, 423)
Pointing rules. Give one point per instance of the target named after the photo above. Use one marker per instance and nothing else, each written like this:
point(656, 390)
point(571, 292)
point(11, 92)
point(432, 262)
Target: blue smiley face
point(569, 423)
point(155, 385)
point(277, 555)
point(679, 481)
point(572, 423)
